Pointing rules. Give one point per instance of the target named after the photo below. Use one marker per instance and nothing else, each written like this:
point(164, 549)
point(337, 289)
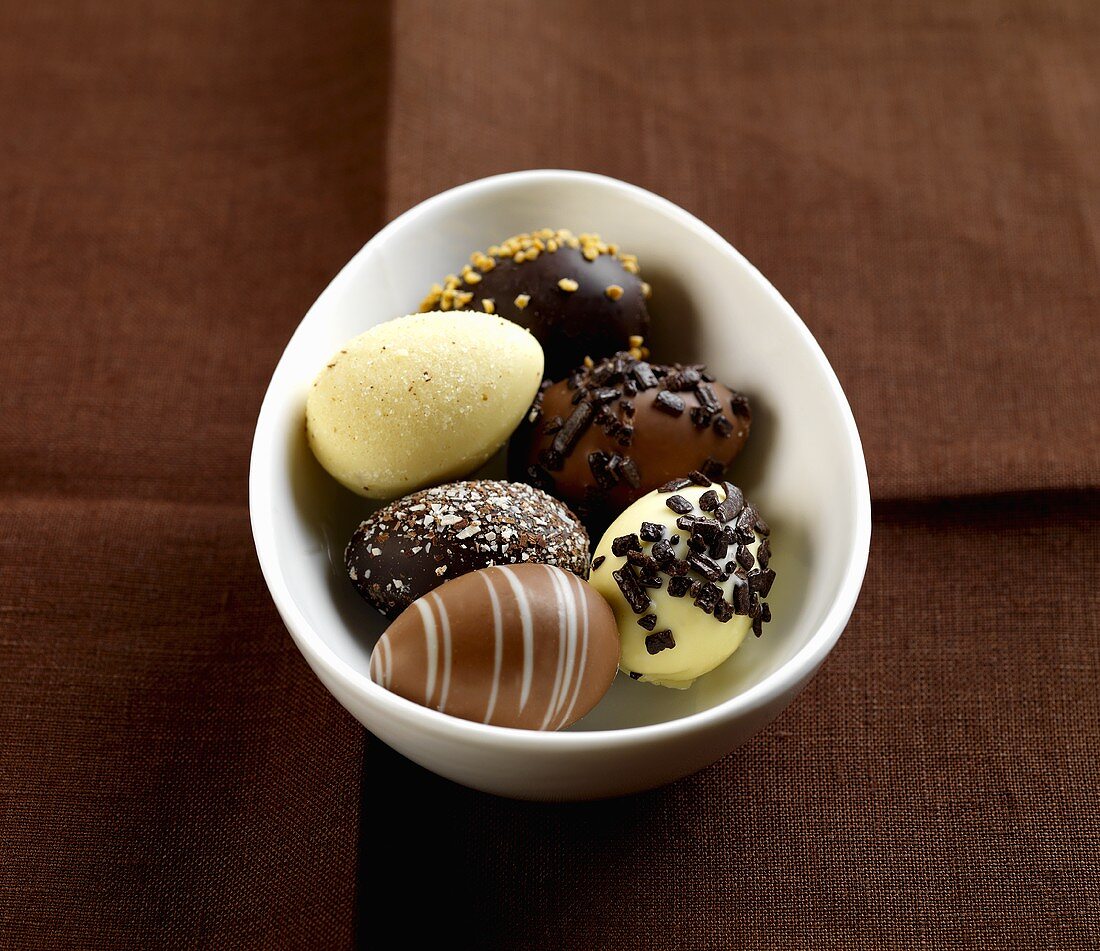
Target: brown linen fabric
point(180, 181)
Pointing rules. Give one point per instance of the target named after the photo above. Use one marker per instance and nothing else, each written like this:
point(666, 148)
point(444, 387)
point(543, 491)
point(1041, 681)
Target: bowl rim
point(317, 652)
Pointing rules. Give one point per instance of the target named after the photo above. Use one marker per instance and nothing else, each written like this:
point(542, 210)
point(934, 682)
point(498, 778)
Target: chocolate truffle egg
point(415, 544)
point(578, 295)
point(528, 646)
point(610, 433)
point(421, 399)
point(686, 570)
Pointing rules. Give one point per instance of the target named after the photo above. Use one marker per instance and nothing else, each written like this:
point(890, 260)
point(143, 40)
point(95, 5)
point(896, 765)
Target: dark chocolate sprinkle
point(676, 567)
point(765, 612)
point(674, 485)
point(709, 596)
point(604, 394)
point(652, 531)
point(706, 529)
point(732, 505)
point(757, 626)
point(552, 425)
point(651, 581)
point(740, 405)
point(698, 478)
point(744, 557)
point(643, 373)
point(642, 561)
point(625, 543)
point(686, 522)
point(571, 430)
point(769, 579)
point(662, 640)
point(649, 622)
point(707, 567)
point(662, 552)
point(742, 598)
point(723, 426)
point(679, 504)
point(723, 611)
point(708, 501)
point(631, 589)
point(697, 544)
point(719, 548)
point(707, 399)
point(597, 561)
point(669, 402)
point(678, 587)
point(764, 553)
point(700, 417)
point(713, 469)
point(604, 468)
point(630, 473)
point(762, 526)
point(634, 675)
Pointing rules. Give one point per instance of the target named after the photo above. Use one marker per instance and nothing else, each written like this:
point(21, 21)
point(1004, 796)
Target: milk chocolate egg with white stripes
point(527, 646)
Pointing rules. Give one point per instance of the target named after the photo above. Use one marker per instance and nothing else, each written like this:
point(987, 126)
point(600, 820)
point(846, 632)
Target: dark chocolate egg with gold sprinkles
point(610, 433)
point(415, 544)
point(526, 646)
point(579, 295)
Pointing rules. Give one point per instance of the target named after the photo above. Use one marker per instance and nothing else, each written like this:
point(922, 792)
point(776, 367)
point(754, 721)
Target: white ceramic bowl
point(803, 468)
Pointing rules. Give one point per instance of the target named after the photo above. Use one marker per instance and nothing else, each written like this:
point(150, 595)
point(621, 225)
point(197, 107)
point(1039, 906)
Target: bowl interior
point(802, 466)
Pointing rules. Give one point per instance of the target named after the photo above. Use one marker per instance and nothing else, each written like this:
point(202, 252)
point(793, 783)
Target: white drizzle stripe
point(431, 647)
point(571, 639)
point(582, 608)
point(528, 635)
point(445, 624)
point(498, 648)
point(561, 639)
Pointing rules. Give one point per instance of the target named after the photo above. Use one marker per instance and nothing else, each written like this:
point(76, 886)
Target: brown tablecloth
point(179, 181)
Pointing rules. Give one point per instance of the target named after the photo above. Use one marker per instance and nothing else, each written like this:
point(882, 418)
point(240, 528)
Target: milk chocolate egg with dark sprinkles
point(415, 544)
point(579, 295)
point(610, 433)
point(527, 646)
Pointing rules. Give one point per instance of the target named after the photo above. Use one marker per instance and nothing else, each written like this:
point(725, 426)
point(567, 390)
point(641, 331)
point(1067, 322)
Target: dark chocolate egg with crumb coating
point(610, 433)
point(415, 544)
point(578, 295)
point(525, 646)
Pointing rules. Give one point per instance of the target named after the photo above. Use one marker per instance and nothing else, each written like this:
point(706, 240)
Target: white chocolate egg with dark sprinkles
point(421, 399)
point(415, 544)
point(527, 646)
point(686, 569)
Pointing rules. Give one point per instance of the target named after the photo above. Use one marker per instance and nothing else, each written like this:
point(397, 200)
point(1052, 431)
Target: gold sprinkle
point(630, 267)
point(488, 306)
point(462, 298)
point(522, 301)
point(636, 341)
point(472, 277)
point(519, 257)
point(590, 253)
point(568, 284)
point(614, 292)
point(588, 363)
point(647, 291)
point(551, 245)
point(532, 253)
